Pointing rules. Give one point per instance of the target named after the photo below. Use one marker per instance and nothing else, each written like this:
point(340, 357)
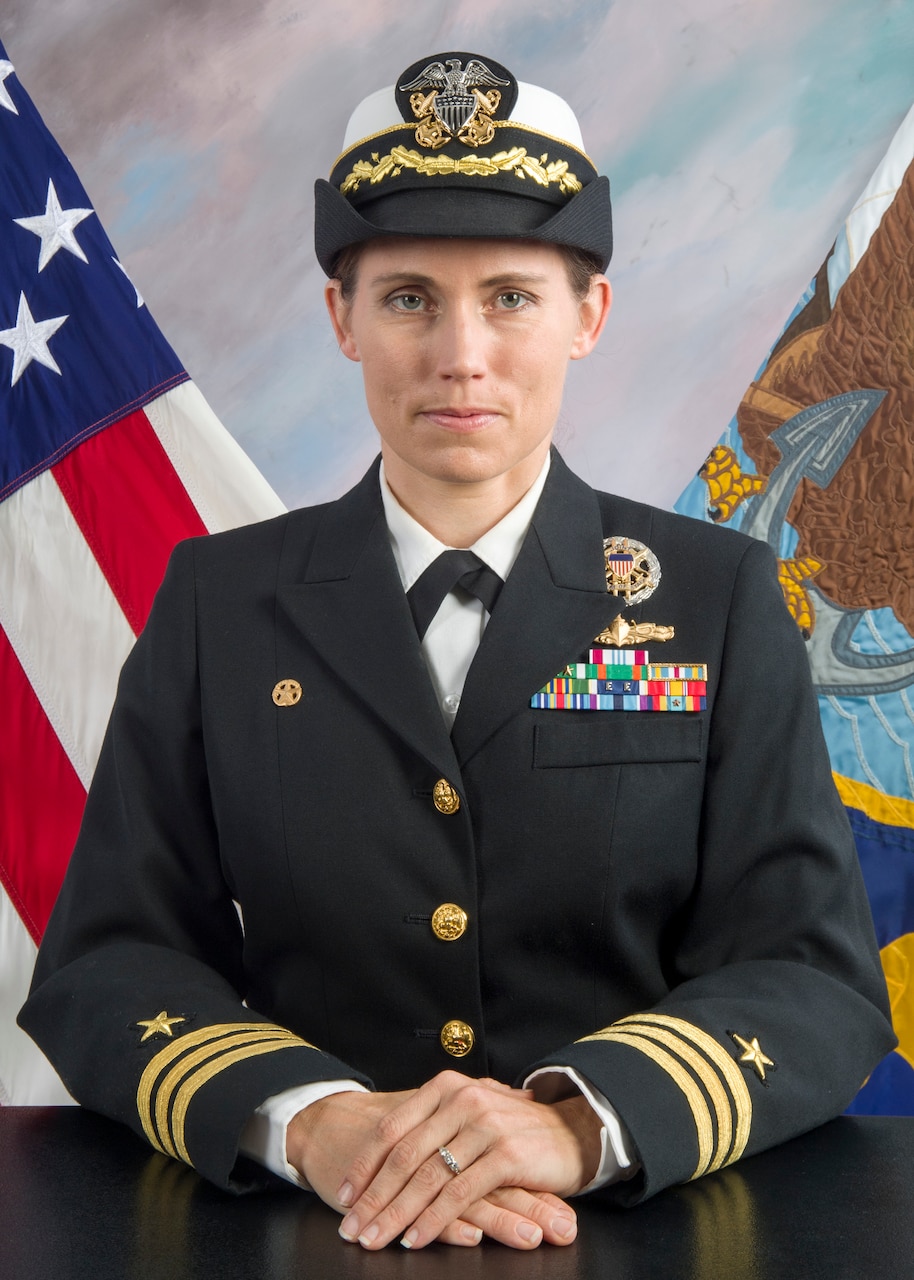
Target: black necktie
point(452, 569)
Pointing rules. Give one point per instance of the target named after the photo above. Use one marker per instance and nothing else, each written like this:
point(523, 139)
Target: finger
point(500, 1225)
point(401, 1191)
point(392, 1128)
point(495, 1143)
point(512, 1216)
point(417, 1107)
point(437, 1111)
point(557, 1219)
point(461, 1233)
point(503, 1225)
point(417, 1226)
point(414, 1172)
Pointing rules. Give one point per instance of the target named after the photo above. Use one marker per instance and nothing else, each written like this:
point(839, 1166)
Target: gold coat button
point(449, 922)
point(445, 797)
point(457, 1038)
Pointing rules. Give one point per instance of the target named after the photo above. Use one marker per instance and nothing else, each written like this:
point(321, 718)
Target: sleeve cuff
point(617, 1163)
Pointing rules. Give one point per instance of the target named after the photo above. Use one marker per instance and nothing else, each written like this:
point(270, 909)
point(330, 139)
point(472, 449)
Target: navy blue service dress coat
point(668, 902)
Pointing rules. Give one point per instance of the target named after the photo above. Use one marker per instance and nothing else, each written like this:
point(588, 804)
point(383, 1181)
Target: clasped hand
point(376, 1158)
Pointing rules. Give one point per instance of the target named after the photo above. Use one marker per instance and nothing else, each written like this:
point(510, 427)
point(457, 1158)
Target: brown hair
point(581, 267)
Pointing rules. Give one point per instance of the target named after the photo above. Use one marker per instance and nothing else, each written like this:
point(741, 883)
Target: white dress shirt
point(448, 647)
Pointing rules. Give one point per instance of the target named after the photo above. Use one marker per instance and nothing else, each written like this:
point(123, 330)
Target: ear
point(594, 311)
point(339, 310)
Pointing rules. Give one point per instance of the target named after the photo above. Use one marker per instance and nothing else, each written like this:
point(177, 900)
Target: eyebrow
point(491, 282)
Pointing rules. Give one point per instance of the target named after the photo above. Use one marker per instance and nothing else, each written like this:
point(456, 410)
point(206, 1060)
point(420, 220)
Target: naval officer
point(469, 842)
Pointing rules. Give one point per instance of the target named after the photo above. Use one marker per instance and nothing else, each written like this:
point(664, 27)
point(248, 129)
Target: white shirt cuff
point(617, 1162)
point(263, 1138)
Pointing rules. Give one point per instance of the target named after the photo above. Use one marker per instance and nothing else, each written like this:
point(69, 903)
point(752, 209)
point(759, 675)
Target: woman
point(632, 919)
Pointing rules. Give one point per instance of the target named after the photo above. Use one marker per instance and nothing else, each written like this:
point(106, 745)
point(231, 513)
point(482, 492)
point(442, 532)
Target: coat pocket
point(570, 740)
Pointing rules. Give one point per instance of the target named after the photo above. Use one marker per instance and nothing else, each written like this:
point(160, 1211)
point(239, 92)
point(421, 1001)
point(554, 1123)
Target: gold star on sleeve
point(161, 1024)
point(752, 1055)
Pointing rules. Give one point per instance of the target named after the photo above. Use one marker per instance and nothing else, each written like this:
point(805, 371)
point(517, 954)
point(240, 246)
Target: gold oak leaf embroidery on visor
point(710, 1081)
point(172, 1078)
point(515, 161)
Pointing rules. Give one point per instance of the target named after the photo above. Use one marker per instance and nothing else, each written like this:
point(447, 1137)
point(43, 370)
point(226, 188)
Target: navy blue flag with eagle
point(819, 462)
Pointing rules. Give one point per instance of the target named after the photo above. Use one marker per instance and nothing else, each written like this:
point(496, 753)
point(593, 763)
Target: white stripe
point(26, 1076)
point(223, 483)
point(62, 619)
point(881, 189)
point(71, 638)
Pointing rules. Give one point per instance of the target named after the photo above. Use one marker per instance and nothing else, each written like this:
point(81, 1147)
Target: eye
point(512, 300)
point(408, 302)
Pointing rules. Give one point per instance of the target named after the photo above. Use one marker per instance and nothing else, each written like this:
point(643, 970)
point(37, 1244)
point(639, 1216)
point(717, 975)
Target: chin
point(468, 470)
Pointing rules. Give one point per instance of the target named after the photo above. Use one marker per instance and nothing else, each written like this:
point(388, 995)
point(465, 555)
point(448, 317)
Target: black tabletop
point(83, 1199)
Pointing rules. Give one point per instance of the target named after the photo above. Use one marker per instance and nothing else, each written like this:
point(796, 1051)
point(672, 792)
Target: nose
point(461, 343)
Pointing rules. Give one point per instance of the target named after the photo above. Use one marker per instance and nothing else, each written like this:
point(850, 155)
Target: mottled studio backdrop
point(736, 136)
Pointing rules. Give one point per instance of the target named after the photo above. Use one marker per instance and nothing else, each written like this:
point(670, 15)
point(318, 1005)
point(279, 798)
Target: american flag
point(108, 455)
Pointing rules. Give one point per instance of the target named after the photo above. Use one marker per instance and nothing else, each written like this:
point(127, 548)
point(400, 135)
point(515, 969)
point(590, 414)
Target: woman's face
point(464, 346)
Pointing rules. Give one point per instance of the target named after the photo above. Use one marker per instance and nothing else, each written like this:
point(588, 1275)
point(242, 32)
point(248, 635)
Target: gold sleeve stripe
point(243, 1041)
point(189, 1087)
point(701, 1112)
point(726, 1066)
point(217, 1037)
point(176, 1049)
point(708, 1077)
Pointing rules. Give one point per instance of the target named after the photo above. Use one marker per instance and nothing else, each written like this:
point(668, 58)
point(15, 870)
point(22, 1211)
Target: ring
point(449, 1160)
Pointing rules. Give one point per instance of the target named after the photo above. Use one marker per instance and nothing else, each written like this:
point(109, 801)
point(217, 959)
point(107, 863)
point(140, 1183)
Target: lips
point(463, 419)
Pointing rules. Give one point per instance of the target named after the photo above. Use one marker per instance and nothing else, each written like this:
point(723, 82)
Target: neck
point(459, 512)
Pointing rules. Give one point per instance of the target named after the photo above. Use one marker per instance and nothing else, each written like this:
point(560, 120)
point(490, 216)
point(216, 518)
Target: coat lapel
point(552, 605)
point(350, 606)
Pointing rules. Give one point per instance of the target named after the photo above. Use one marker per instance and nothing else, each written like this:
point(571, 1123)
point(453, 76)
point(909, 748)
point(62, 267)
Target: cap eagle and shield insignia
point(456, 96)
point(632, 569)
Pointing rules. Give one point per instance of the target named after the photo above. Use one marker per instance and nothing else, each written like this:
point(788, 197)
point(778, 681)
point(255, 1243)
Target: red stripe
point(45, 464)
point(131, 507)
point(41, 799)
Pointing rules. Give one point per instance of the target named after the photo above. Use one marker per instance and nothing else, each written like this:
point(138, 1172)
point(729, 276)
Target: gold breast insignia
point(623, 634)
point(632, 569)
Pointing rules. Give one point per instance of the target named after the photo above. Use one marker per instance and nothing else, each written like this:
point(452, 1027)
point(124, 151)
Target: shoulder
point(706, 571)
point(280, 549)
point(703, 553)
point(654, 526)
point(673, 528)
point(254, 551)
